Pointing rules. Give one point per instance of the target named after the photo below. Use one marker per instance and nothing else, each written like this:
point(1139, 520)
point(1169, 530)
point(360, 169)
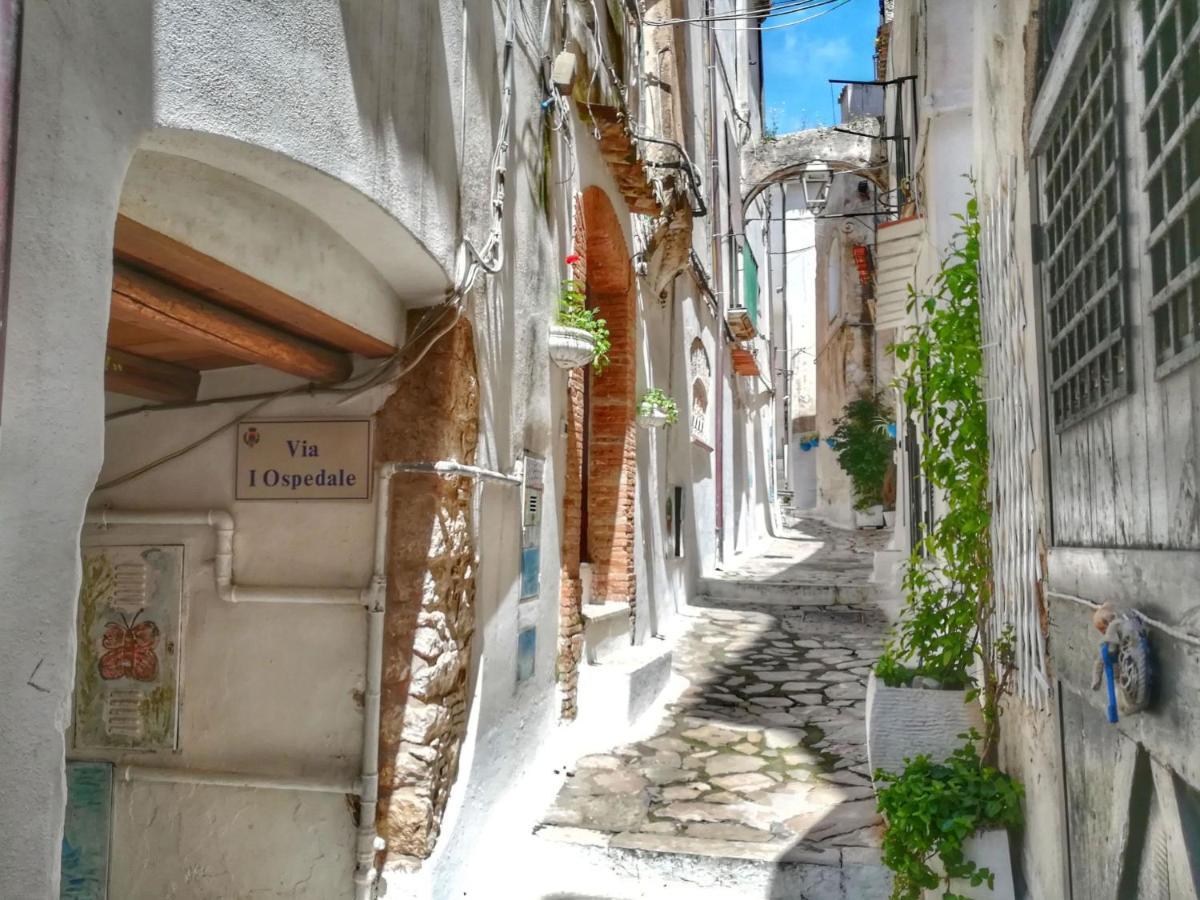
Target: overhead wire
point(803, 6)
point(778, 9)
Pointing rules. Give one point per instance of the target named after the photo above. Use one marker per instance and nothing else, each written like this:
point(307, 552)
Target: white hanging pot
point(571, 348)
point(655, 418)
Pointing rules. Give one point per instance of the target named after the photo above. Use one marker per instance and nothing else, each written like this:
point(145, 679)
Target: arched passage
point(601, 453)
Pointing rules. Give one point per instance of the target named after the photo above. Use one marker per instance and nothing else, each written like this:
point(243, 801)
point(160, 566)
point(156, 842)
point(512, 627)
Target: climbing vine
point(946, 626)
point(947, 582)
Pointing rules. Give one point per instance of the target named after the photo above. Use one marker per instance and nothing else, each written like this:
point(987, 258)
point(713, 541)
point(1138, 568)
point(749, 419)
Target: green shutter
point(750, 283)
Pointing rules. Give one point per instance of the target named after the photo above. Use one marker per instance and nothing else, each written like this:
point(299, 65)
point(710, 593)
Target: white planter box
point(903, 723)
point(571, 348)
point(889, 518)
point(871, 517)
point(988, 850)
point(655, 419)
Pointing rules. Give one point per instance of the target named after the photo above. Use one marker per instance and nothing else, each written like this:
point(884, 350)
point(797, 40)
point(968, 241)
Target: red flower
point(573, 258)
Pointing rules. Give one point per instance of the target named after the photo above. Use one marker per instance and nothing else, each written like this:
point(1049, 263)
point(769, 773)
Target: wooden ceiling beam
point(151, 379)
point(152, 251)
point(143, 300)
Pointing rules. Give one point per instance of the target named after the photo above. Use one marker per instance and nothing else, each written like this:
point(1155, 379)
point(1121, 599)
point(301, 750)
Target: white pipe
point(221, 521)
point(447, 467)
point(369, 843)
point(163, 775)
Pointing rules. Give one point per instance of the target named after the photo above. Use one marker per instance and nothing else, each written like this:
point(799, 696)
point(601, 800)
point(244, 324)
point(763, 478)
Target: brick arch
point(605, 267)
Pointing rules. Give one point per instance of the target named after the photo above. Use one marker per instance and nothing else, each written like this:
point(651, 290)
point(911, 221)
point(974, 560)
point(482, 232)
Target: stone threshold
point(776, 852)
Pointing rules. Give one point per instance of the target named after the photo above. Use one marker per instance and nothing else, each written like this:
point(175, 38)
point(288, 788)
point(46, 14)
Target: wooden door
point(1120, 294)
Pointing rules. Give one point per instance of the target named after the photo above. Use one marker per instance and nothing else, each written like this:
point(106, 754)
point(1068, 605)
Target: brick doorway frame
point(606, 268)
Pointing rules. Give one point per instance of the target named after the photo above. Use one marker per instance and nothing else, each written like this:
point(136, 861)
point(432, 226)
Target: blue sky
point(799, 61)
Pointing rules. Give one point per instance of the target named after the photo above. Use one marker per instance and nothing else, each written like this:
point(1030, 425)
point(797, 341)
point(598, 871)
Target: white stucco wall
point(251, 675)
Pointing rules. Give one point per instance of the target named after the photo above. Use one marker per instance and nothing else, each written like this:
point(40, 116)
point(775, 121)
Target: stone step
point(632, 865)
point(786, 593)
point(625, 685)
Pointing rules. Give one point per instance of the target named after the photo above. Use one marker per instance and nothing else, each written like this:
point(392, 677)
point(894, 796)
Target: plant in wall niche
point(864, 447)
point(581, 336)
point(657, 408)
point(932, 809)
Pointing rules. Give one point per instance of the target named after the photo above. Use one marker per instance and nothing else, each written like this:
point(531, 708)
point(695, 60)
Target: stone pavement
point(763, 758)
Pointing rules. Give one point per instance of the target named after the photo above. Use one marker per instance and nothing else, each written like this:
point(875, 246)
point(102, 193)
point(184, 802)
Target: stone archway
point(601, 452)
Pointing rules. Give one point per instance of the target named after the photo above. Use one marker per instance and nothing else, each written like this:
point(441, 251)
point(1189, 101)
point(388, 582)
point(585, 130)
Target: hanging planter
point(578, 336)
point(656, 409)
point(571, 348)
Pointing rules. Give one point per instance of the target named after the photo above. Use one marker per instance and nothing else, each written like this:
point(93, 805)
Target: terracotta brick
point(606, 268)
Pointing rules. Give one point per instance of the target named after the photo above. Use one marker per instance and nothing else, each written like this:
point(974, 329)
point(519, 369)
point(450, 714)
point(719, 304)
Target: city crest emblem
point(251, 437)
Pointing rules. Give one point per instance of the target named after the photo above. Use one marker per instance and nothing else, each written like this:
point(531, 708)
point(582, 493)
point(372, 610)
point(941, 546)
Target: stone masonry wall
point(570, 618)
point(433, 415)
point(570, 601)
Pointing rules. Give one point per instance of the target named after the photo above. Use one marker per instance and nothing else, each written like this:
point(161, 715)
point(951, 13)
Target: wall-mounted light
point(816, 188)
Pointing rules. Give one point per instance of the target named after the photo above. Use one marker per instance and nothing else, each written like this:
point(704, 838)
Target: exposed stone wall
point(570, 617)
point(612, 450)
point(434, 414)
point(570, 638)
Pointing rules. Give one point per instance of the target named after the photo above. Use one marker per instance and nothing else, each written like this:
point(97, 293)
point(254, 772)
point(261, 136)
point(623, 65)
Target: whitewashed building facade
point(336, 233)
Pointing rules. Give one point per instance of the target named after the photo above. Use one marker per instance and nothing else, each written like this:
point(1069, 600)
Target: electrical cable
point(708, 22)
point(779, 9)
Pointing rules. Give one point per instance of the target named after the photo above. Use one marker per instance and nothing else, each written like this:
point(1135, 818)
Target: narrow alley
point(599, 449)
point(755, 781)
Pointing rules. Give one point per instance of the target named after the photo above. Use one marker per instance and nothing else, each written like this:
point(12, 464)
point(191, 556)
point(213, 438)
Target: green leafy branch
point(932, 809)
point(947, 582)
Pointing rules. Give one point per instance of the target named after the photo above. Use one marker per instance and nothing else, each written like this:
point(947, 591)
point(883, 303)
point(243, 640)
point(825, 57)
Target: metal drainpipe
point(10, 82)
point(716, 221)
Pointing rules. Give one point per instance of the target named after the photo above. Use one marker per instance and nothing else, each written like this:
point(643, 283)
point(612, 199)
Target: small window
point(750, 283)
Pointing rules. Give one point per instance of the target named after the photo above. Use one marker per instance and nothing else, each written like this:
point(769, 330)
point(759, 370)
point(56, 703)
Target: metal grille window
point(1170, 67)
point(1085, 293)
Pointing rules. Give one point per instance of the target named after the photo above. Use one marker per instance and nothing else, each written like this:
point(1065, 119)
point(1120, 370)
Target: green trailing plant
point(864, 447)
point(946, 625)
point(573, 312)
point(932, 808)
point(947, 582)
point(658, 400)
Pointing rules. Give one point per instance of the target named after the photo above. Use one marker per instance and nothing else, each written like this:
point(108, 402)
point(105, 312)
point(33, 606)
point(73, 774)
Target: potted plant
point(578, 336)
point(947, 826)
point(864, 451)
point(656, 409)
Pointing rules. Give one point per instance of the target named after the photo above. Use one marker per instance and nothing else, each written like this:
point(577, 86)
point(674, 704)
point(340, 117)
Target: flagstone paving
point(763, 756)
